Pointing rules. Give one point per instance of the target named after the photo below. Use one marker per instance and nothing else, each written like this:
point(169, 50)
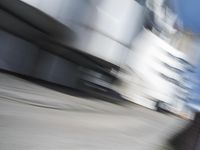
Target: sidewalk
point(36, 118)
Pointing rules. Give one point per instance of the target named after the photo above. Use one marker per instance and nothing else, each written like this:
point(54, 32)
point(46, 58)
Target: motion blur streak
point(90, 74)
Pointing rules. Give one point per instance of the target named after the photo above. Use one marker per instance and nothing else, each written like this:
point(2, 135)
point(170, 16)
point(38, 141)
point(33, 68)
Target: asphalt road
point(33, 117)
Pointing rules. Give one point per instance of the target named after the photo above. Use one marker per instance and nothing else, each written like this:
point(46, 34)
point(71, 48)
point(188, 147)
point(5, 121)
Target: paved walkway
point(33, 117)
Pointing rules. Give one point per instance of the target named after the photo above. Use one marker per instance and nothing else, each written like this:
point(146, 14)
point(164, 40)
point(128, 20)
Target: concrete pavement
point(33, 117)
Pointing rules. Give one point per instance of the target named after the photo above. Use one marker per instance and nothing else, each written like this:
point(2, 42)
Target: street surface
point(33, 117)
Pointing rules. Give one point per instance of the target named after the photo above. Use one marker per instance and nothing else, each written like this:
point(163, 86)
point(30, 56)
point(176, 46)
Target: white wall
point(103, 28)
point(146, 60)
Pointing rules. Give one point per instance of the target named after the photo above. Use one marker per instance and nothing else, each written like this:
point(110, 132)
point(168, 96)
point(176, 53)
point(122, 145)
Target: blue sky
point(189, 12)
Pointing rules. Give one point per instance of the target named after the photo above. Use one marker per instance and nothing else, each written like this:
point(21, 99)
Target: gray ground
point(68, 123)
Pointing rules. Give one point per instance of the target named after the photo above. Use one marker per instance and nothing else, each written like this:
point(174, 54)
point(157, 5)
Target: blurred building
point(90, 45)
point(56, 40)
